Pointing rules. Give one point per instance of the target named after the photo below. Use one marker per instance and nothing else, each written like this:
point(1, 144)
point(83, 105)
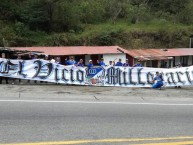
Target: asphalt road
point(60, 121)
point(93, 121)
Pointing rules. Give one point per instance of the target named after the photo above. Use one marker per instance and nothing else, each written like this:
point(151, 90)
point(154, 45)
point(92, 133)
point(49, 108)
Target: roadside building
point(149, 57)
point(94, 53)
point(162, 57)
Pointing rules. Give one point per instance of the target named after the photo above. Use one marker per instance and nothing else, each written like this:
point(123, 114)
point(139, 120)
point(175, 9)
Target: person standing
point(33, 57)
point(52, 60)
point(1, 78)
point(30, 56)
point(101, 62)
point(138, 64)
point(126, 64)
point(178, 66)
point(80, 63)
point(111, 63)
point(90, 64)
point(58, 60)
point(71, 61)
point(46, 58)
point(18, 58)
point(119, 63)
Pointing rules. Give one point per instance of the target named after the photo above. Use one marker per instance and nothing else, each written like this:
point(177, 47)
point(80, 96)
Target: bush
point(107, 38)
point(185, 16)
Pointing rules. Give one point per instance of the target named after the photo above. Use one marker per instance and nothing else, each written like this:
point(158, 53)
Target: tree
point(185, 16)
point(168, 6)
point(91, 11)
point(8, 10)
point(35, 15)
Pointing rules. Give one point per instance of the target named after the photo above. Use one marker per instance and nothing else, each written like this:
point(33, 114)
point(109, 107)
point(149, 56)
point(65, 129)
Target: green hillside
point(127, 23)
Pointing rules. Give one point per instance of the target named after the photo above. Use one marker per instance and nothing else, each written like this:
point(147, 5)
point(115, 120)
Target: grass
point(92, 31)
point(147, 27)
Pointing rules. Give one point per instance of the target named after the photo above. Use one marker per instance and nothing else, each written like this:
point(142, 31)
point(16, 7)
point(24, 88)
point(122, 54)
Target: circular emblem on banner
point(92, 71)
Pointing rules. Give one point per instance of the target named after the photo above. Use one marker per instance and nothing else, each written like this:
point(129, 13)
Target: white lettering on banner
point(92, 71)
point(109, 76)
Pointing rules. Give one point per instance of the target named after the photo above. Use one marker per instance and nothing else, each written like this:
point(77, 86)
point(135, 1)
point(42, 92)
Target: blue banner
point(94, 71)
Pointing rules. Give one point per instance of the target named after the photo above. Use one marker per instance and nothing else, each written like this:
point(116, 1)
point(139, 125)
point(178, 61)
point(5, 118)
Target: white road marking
point(90, 102)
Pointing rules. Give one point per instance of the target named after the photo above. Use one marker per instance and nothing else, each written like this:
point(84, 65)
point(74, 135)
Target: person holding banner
point(46, 58)
point(101, 63)
point(126, 64)
point(80, 63)
point(111, 63)
point(89, 74)
point(52, 60)
point(30, 56)
point(58, 60)
point(178, 66)
point(1, 78)
point(33, 57)
point(158, 81)
point(138, 64)
point(119, 63)
point(18, 58)
point(90, 64)
point(71, 61)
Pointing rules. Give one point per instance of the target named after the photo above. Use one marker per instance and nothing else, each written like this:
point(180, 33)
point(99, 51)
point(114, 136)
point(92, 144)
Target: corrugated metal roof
point(160, 52)
point(136, 53)
point(144, 58)
point(74, 50)
point(179, 52)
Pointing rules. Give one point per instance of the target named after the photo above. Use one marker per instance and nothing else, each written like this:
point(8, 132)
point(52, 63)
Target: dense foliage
point(129, 23)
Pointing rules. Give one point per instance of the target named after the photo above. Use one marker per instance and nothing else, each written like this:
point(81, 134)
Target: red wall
point(131, 60)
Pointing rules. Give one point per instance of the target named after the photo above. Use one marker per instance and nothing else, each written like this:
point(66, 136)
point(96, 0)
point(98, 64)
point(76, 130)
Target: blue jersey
point(137, 65)
point(80, 64)
point(90, 65)
point(126, 64)
point(158, 78)
point(101, 63)
point(70, 62)
point(119, 64)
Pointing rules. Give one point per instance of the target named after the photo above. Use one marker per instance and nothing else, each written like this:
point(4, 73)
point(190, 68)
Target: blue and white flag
point(102, 76)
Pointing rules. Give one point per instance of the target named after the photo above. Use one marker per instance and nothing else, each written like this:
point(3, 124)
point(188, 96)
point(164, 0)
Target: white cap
point(90, 60)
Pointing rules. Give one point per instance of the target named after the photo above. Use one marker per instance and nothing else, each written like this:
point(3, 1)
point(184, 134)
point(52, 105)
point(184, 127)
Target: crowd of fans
point(158, 80)
point(70, 61)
